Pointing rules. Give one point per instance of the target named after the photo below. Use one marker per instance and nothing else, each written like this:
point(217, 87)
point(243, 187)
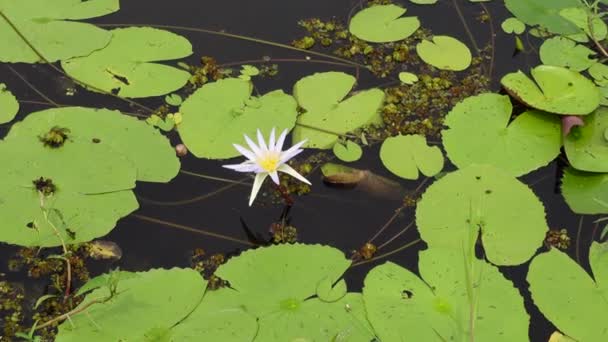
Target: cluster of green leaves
point(70, 171)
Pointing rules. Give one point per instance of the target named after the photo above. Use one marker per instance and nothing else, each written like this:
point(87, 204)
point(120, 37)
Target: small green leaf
point(404, 155)
point(585, 192)
point(544, 13)
point(579, 16)
point(408, 78)
point(349, 152)
point(42, 299)
point(249, 70)
point(445, 53)
point(173, 99)
point(599, 72)
point(383, 23)
point(513, 25)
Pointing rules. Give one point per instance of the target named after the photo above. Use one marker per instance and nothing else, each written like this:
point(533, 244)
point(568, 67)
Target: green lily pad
point(348, 152)
point(219, 113)
point(599, 72)
point(50, 27)
point(8, 105)
point(438, 306)
point(479, 132)
point(557, 90)
point(382, 24)
point(568, 296)
point(329, 293)
point(125, 67)
point(408, 78)
point(445, 53)
point(292, 273)
point(173, 100)
point(585, 192)
point(216, 319)
point(404, 155)
point(327, 116)
point(482, 198)
point(75, 216)
point(563, 52)
point(579, 16)
point(152, 297)
point(587, 150)
point(110, 137)
point(513, 25)
point(544, 13)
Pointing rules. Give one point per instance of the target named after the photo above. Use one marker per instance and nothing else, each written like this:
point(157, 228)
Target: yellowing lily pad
point(513, 25)
point(480, 132)
point(554, 89)
point(563, 52)
point(348, 152)
point(50, 26)
point(587, 150)
point(126, 67)
point(404, 155)
point(572, 299)
point(219, 113)
point(383, 23)
point(327, 115)
point(438, 305)
point(445, 53)
point(585, 192)
point(8, 105)
point(482, 200)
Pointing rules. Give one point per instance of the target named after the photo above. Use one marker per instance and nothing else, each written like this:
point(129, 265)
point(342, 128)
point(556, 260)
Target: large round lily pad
point(479, 132)
point(383, 23)
point(327, 116)
point(219, 113)
point(275, 285)
point(8, 105)
point(158, 299)
point(587, 146)
point(111, 134)
point(439, 306)
point(125, 66)
point(445, 52)
point(585, 192)
point(544, 13)
point(404, 155)
point(50, 27)
point(557, 90)
point(568, 296)
point(481, 199)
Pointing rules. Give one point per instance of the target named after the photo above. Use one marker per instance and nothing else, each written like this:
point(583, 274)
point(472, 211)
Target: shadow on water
point(344, 218)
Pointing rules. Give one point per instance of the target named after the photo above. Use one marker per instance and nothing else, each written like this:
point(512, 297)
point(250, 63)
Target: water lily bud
point(181, 150)
point(570, 121)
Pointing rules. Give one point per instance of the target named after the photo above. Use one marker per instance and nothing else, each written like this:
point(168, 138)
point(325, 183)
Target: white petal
point(292, 151)
point(257, 184)
point(250, 155)
point(271, 140)
point(281, 141)
point(290, 171)
point(252, 145)
point(275, 177)
point(261, 142)
point(243, 167)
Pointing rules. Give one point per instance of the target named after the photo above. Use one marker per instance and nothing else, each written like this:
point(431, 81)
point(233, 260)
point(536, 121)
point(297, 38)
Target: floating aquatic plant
point(8, 105)
point(479, 131)
point(587, 145)
point(456, 298)
point(481, 200)
point(267, 159)
point(327, 115)
point(563, 52)
point(545, 13)
point(52, 29)
point(445, 52)
point(404, 155)
point(383, 23)
point(573, 300)
point(585, 192)
point(125, 67)
point(220, 113)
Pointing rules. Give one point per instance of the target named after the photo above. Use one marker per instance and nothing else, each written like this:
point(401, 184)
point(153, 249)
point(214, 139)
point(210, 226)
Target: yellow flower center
point(269, 162)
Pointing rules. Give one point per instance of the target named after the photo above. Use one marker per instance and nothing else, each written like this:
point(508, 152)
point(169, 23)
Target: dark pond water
point(342, 218)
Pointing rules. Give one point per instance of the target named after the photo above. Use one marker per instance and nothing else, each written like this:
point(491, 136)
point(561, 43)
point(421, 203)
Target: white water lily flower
point(267, 160)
